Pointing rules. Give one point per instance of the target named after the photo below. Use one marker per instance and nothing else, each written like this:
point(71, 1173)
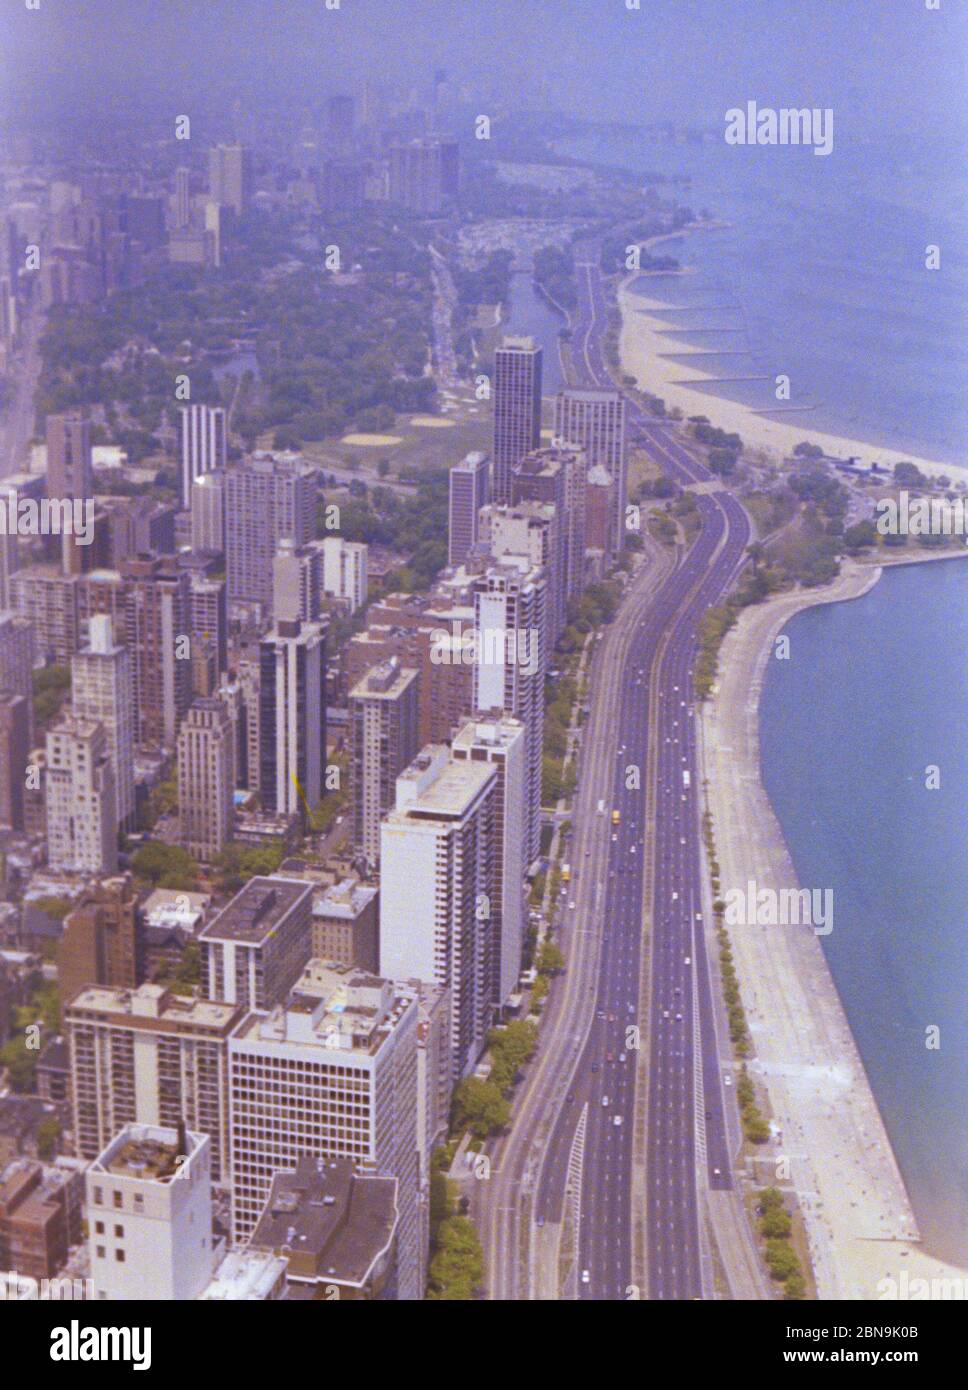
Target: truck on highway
point(616, 817)
point(566, 873)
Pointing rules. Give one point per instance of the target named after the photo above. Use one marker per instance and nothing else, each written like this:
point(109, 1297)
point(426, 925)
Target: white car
point(617, 1120)
point(727, 1081)
point(586, 1278)
point(604, 1100)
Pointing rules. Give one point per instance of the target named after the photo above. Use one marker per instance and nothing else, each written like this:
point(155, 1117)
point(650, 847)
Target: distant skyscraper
point(596, 421)
point(542, 476)
point(267, 500)
point(14, 751)
point(469, 492)
point(203, 443)
point(344, 570)
point(230, 176)
point(339, 123)
point(383, 741)
point(292, 717)
point(208, 623)
point(17, 642)
point(517, 409)
point(102, 689)
point(157, 619)
point(82, 817)
point(437, 884)
point(501, 742)
point(206, 779)
point(208, 512)
point(183, 197)
point(510, 625)
point(69, 473)
point(419, 171)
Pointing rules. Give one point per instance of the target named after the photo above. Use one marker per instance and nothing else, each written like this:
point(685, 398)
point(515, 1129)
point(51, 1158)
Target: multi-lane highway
point(645, 1081)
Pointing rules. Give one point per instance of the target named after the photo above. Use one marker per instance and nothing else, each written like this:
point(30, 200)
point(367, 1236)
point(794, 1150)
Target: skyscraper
point(230, 176)
point(437, 887)
point(203, 445)
point(208, 512)
point(256, 948)
point(596, 421)
point(69, 456)
point(517, 409)
point(422, 173)
point(102, 689)
point(82, 817)
point(469, 492)
point(206, 778)
point(14, 752)
point(342, 572)
point(292, 718)
point(149, 1055)
point(383, 741)
point(157, 619)
point(509, 670)
point(268, 499)
point(17, 658)
point(501, 742)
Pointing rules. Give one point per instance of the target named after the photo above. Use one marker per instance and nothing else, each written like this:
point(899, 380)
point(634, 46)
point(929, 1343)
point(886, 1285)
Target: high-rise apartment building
point(204, 445)
point(595, 420)
point(69, 473)
point(268, 499)
point(339, 1061)
point(343, 569)
point(149, 1201)
point(157, 629)
point(102, 689)
point(292, 718)
point(82, 817)
point(500, 742)
point(208, 512)
point(230, 176)
point(437, 887)
point(255, 949)
point(150, 1056)
point(419, 171)
point(469, 492)
point(102, 942)
point(206, 778)
point(383, 741)
point(509, 671)
point(516, 393)
point(208, 625)
point(14, 753)
point(17, 644)
point(535, 531)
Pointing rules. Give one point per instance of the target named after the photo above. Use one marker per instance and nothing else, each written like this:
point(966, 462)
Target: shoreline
point(860, 1224)
point(644, 340)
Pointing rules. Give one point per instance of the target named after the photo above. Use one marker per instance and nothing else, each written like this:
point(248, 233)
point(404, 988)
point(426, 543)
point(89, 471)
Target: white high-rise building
point(469, 486)
point(149, 1199)
point(438, 888)
point(384, 739)
point(82, 817)
point(509, 669)
point(344, 570)
point(338, 1066)
point(208, 512)
point(501, 743)
point(102, 690)
point(204, 444)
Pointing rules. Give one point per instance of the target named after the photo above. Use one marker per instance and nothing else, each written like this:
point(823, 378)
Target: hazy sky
point(904, 65)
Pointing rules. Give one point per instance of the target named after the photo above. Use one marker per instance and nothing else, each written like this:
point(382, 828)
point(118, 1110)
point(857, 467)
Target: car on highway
point(594, 1066)
point(621, 1057)
point(727, 1081)
point(586, 1278)
point(617, 1120)
point(665, 1013)
point(609, 1057)
point(604, 1100)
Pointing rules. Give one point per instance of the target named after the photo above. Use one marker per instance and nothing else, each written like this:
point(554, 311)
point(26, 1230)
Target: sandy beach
point(860, 1225)
point(644, 338)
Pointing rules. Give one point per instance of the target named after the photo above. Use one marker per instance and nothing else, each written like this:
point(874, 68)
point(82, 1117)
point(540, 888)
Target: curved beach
point(862, 1232)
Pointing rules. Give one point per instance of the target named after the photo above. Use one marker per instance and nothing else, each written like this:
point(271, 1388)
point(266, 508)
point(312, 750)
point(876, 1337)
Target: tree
point(166, 866)
point(480, 1107)
point(550, 958)
point(457, 1268)
point(21, 1064)
point(48, 1133)
point(781, 1259)
point(860, 535)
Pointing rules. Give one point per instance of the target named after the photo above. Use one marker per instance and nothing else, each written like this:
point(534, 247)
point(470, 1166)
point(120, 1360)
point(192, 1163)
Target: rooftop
point(257, 910)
